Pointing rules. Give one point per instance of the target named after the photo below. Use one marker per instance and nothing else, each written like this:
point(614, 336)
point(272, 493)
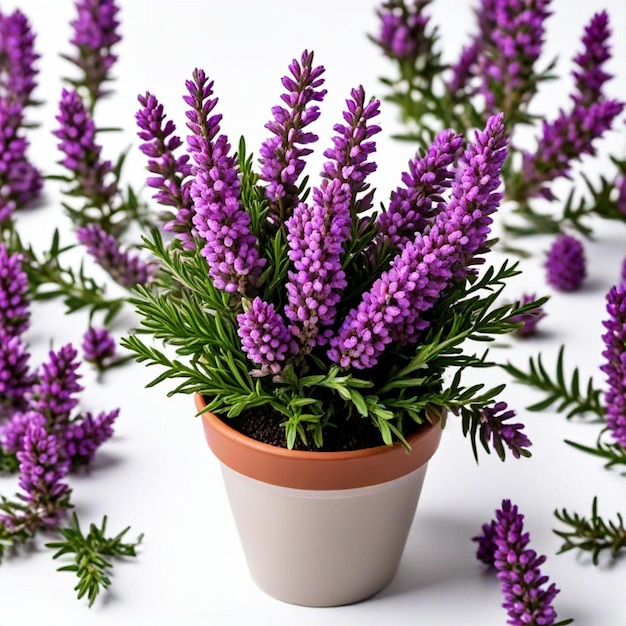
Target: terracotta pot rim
point(302, 469)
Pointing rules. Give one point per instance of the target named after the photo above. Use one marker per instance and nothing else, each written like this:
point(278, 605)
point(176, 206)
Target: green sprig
point(594, 534)
point(93, 555)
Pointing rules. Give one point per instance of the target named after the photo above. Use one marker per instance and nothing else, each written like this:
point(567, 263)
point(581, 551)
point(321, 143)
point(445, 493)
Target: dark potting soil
point(265, 424)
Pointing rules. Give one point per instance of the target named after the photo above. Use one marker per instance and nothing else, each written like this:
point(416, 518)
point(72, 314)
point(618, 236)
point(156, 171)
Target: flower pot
point(321, 528)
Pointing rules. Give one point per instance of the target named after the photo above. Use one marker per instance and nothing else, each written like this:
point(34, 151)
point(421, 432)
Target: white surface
point(158, 475)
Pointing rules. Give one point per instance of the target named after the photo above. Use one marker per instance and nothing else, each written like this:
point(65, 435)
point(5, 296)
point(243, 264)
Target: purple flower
point(20, 181)
point(564, 141)
point(486, 550)
point(127, 269)
point(42, 469)
point(77, 141)
point(83, 437)
point(590, 77)
point(316, 236)
point(12, 433)
point(615, 364)
point(464, 70)
point(351, 148)
point(54, 394)
point(411, 207)
point(95, 33)
point(621, 193)
point(14, 304)
point(529, 319)
point(220, 219)
point(15, 377)
point(282, 154)
point(98, 346)
point(18, 73)
point(265, 337)
point(402, 33)
point(515, 40)
point(495, 429)
point(392, 309)
point(171, 179)
point(566, 264)
point(527, 600)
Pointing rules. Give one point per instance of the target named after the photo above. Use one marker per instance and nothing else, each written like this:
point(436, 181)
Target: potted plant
point(323, 340)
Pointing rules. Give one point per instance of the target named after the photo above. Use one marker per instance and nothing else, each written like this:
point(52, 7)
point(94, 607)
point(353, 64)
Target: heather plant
point(303, 301)
point(501, 69)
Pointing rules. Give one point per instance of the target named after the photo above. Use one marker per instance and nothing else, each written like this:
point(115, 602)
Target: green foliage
point(92, 555)
point(562, 394)
point(593, 535)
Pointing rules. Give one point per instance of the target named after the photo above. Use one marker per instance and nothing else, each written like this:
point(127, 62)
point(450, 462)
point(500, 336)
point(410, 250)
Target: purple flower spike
point(615, 364)
point(316, 235)
point(530, 319)
point(18, 73)
point(127, 269)
point(95, 34)
point(282, 154)
point(54, 394)
point(402, 29)
point(392, 310)
point(77, 141)
point(98, 346)
point(15, 379)
point(464, 70)
point(411, 207)
point(495, 429)
point(84, 436)
point(220, 219)
point(42, 468)
point(265, 338)
point(12, 433)
point(486, 550)
point(14, 304)
point(566, 264)
point(351, 148)
point(20, 181)
point(527, 600)
point(590, 76)
point(171, 173)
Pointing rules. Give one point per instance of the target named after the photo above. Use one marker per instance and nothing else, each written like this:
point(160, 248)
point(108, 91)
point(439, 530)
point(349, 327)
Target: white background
point(158, 475)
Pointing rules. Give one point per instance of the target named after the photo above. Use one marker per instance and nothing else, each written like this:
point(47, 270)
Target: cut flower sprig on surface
point(307, 302)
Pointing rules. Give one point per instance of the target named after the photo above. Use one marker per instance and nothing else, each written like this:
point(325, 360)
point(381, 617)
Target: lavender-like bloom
point(529, 319)
point(171, 172)
point(590, 76)
point(402, 33)
point(564, 141)
point(615, 364)
point(351, 148)
point(486, 550)
point(127, 269)
point(98, 346)
point(621, 193)
point(527, 600)
point(411, 207)
point(84, 436)
point(316, 236)
point(77, 141)
point(566, 264)
point(219, 218)
point(42, 469)
point(20, 181)
point(496, 429)
point(18, 73)
point(514, 44)
point(12, 433)
point(265, 337)
point(14, 304)
point(282, 154)
point(95, 35)
point(464, 70)
point(392, 309)
point(54, 394)
point(15, 378)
